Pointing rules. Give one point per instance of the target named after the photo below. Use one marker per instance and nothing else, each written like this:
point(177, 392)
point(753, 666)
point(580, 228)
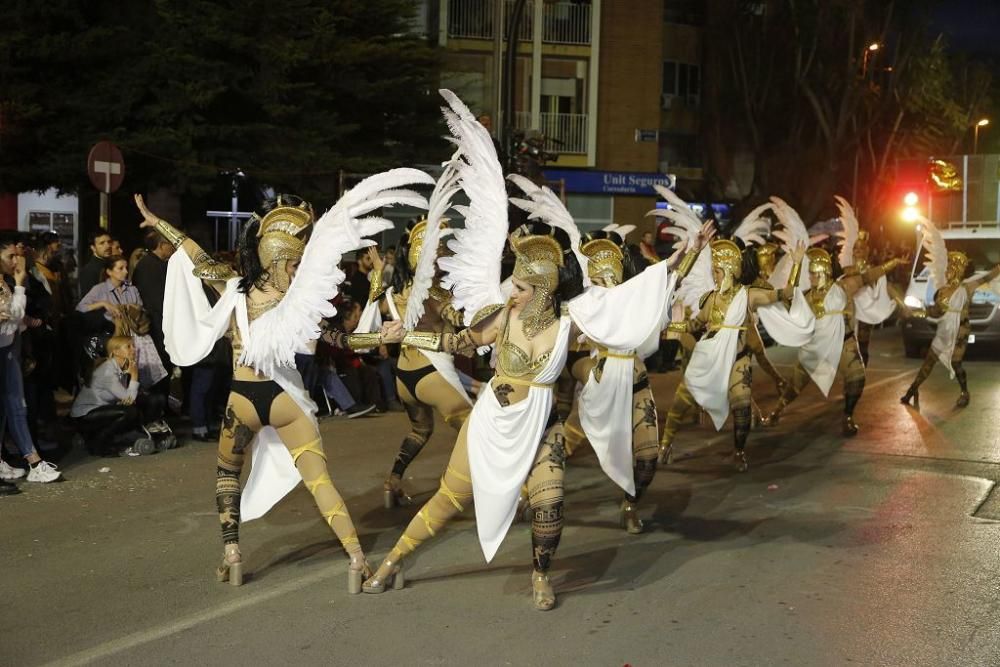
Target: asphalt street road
point(878, 550)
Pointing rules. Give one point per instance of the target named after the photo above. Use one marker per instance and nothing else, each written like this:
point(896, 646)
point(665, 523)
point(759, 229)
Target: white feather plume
point(792, 233)
point(473, 272)
point(621, 230)
point(287, 328)
point(544, 205)
point(849, 234)
point(755, 227)
point(686, 224)
point(423, 275)
point(698, 282)
point(937, 252)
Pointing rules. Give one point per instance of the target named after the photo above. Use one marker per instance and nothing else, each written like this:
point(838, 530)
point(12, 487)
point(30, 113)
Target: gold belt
point(614, 355)
point(727, 326)
point(525, 383)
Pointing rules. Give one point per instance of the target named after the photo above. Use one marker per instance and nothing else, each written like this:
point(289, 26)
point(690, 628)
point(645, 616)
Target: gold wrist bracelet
point(423, 340)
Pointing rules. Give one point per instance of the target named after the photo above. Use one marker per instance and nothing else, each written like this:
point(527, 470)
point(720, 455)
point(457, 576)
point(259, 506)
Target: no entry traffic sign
point(106, 167)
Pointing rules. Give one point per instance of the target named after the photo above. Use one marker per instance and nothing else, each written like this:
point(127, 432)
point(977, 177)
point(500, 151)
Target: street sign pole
point(104, 211)
point(106, 170)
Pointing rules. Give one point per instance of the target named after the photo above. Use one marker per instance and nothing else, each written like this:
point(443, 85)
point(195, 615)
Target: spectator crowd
point(83, 363)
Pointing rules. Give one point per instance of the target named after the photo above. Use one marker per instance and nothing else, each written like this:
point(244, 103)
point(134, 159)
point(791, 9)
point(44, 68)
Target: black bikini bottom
point(411, 378)
point(260, 394)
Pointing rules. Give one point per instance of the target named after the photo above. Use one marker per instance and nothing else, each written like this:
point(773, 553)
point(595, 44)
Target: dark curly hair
point(750, 269)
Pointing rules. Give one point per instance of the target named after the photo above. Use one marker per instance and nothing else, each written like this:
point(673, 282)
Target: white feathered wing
point(792, 233)
point(546, 206)
point(849, 234)
point(473, 272)
point(937, 253)
point(423, 275)
point(287, 328)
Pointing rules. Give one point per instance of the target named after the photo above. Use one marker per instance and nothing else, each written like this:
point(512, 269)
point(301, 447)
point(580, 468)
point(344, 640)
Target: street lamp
point(869, 53)
point(983, 122)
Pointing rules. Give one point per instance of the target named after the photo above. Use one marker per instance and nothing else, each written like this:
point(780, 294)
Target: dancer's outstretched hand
point(148, 218)
point(392, 332)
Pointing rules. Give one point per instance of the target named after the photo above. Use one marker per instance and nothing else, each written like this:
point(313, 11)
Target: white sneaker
point(44, 472)
point(9, 473)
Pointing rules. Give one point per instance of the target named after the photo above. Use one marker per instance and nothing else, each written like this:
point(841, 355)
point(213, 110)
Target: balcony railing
point(563, 22)
point(563, 132)
point(566, 23)
point(473, 19)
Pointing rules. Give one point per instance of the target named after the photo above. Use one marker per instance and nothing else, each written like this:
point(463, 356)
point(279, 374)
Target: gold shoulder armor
point(440, 294)
point(212, 270)
point(483, 313)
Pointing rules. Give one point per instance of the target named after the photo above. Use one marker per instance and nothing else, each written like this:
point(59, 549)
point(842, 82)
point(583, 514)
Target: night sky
point(970, 25)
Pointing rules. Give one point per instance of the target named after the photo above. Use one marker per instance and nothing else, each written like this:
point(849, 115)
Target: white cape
point(821, 355)
point(190, 328)
point(711, 364)
point(606, 406)
point(872, 303)
point(503, 442)
point(708, 371)
point(946, 337)
point(792, 327)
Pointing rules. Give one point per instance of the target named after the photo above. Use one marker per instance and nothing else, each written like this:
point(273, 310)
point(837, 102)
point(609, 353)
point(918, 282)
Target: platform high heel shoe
point(628, 517)
point(357, 572)
point(912, 394)
point(542, 595)
point(231, 569)
point(393, 578)
point(393, 494)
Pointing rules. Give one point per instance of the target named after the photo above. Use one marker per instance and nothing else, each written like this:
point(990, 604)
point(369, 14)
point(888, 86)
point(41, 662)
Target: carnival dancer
point(426, 380)
point(873, 304)
point(271, 312)
point(719, 376)
point(832, 348)
point(512, 436)
point(615, 409)
point(951, 305)
point(766, 253)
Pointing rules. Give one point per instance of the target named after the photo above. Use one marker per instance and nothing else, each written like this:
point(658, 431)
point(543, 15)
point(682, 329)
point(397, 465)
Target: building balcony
point(562, 22)
point(565, 133)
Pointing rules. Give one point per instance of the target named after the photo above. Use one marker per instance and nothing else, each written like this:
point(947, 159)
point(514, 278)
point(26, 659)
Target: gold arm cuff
point(377, 288)
point(364, 341)
point(423, 340)
point(173, 235)
point(793, 277)
point(686, 263)
point(485, 312)
point(678, 327)
point(440, 294)
point(889, 266)
point(212, 270)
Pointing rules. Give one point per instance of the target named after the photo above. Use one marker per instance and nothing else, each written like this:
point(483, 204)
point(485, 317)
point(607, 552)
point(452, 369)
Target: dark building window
point(681, 84)
point(688, 12)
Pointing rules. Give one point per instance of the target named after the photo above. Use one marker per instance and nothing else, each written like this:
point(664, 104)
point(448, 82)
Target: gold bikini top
point(513, 362)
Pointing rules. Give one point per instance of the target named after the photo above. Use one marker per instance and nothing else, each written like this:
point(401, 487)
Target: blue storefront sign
point(609, 182)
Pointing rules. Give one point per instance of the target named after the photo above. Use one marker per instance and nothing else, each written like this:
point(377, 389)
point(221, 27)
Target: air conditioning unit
point(666, 101)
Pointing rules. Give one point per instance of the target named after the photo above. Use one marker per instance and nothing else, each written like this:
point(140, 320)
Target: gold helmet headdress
point(538, 259)
point(957, 262)
point(604, 260)
point(820, 267)
point(416, 241)
point(727, 257)
point(280, 239)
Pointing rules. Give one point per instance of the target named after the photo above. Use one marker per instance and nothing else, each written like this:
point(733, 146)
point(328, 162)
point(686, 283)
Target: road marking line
point(109, 648)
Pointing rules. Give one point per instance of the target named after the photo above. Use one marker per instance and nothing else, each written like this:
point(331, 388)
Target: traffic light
point(911, 211)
